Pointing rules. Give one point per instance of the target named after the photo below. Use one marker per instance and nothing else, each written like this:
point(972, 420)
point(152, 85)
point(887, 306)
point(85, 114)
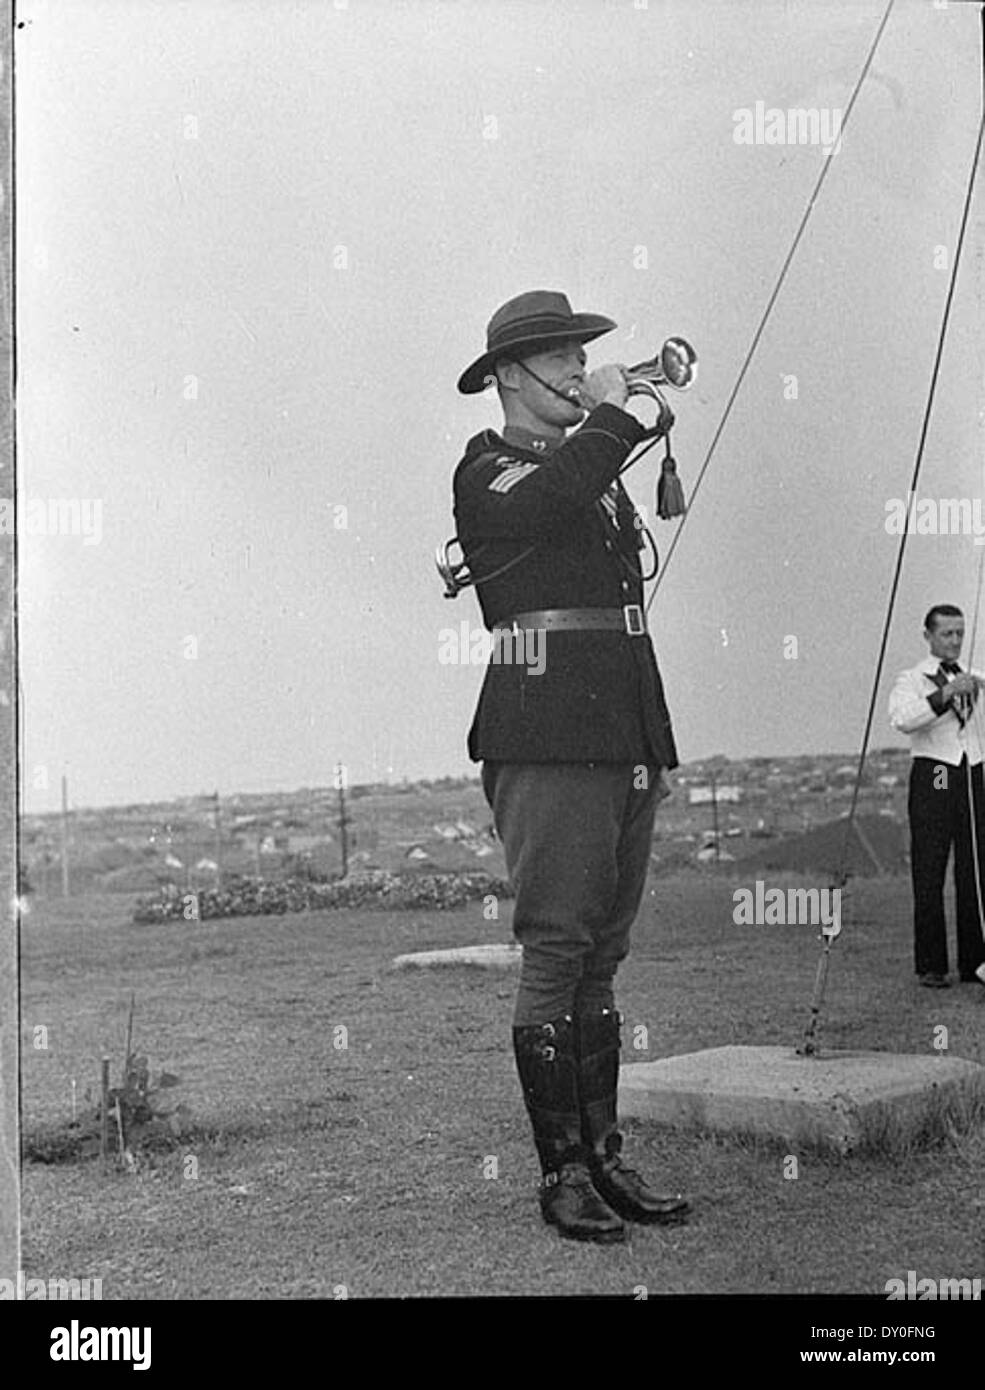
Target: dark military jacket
point(557, 524)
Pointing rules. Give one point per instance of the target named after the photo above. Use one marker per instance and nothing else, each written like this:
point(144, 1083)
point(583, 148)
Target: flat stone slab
point(840, 1100)
point(500, 955)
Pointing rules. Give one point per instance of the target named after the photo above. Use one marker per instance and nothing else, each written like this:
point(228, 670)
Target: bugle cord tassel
point(670, 493)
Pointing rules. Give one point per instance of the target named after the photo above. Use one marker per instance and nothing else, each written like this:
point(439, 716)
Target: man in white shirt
point(937, 704)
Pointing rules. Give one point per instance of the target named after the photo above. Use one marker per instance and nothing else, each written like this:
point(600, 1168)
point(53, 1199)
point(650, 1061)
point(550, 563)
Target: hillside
point(442, 825)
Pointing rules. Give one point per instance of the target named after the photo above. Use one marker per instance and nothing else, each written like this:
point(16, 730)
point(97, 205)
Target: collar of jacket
point(513, 440)
point(930, 665)
point(538, 445)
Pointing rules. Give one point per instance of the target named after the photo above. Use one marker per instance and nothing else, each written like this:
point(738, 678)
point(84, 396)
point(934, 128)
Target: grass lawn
point(317, 1165)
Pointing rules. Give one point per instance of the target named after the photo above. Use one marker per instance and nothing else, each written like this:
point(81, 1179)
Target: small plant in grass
point(138, 1115)
point(138, 1110)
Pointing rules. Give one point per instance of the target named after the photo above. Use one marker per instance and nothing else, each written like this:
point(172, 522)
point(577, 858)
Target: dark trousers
point(577, 842)
point(939, 819)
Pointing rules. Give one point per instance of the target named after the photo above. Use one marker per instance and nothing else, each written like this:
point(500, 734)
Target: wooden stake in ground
point(104, 1119)
point(119, 1127)
point(126, 1058)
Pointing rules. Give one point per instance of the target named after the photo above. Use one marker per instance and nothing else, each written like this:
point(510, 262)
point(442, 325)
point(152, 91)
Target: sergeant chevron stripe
point(609, 503)
point(511, 476)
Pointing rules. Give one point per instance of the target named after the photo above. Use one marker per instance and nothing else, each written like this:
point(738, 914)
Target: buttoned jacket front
point(549, 526)
point(932, 735)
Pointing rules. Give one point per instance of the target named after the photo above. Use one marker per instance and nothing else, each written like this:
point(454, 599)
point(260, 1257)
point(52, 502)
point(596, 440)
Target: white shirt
point(940, 737)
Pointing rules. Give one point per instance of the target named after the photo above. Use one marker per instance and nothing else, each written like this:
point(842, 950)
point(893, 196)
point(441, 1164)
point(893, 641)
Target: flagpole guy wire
point(976, 707)
point(769, 307)
point(808, 1047)
point(976, 716)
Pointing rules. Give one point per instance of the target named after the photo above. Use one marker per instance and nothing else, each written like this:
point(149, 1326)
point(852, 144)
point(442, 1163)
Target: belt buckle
point(635, 623)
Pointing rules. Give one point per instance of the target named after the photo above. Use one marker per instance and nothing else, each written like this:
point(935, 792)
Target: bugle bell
point(674, 365)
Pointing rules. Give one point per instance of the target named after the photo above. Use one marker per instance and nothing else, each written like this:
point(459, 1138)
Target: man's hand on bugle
point(605, 386)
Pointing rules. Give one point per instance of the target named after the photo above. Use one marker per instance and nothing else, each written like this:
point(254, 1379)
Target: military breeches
point(577, 841)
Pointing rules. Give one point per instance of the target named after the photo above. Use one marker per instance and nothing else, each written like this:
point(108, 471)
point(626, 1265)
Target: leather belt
point(630, 619)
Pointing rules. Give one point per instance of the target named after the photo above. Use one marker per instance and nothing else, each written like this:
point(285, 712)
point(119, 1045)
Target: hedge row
point(254, 897)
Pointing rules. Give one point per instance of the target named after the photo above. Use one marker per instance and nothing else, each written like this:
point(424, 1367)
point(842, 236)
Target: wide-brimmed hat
point(539, 316)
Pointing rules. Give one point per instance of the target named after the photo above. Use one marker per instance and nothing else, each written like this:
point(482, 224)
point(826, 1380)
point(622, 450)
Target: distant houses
point(759, 802)
point(704, 796)
point(305, 844)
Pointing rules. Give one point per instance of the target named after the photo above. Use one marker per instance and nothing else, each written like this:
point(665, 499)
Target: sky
point(258, 242)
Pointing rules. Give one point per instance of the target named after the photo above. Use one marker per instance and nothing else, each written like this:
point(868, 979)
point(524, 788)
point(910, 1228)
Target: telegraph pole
point(64, 836)
point(343, 819)
point(714, 817)
point(218, 843)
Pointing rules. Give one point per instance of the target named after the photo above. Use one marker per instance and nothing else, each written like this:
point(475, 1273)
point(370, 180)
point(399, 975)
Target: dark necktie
point(962, 703)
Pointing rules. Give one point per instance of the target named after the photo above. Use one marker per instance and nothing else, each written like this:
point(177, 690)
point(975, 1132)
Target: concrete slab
point(841, 1100)
point(499, 955)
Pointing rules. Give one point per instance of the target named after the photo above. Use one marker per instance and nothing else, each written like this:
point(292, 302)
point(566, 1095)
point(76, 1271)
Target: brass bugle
point(676, 364)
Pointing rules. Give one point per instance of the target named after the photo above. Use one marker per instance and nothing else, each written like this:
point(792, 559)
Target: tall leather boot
point(546, 1062)
point(597, 1047)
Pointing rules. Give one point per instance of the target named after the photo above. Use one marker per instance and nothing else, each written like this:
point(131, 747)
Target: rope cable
point(808, 1047)
point(976, 715)
point(768, 310)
